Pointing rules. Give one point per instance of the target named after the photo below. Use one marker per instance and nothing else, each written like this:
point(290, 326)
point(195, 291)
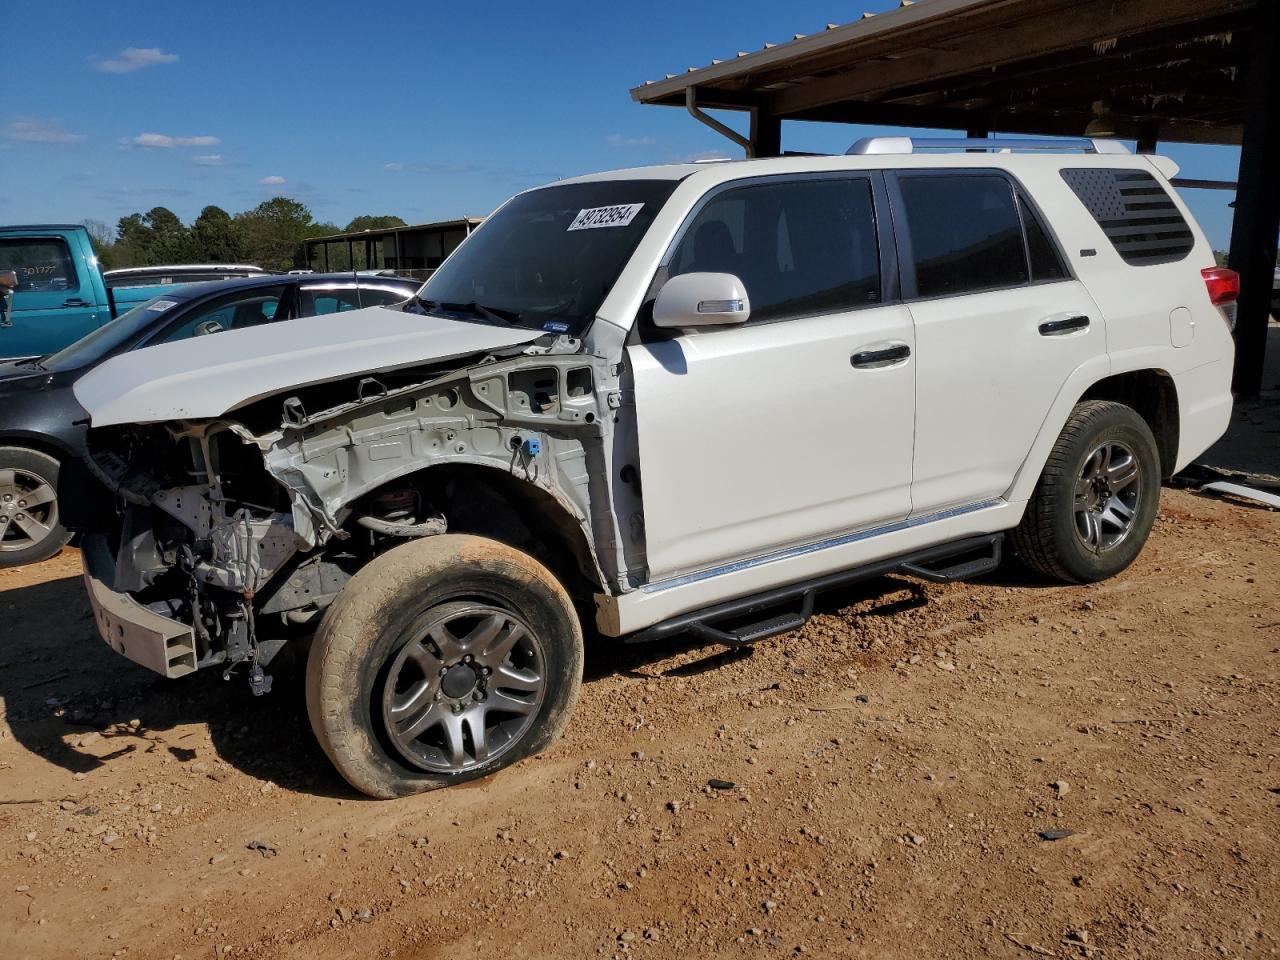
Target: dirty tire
point(375, 620)
point(23, 469)
point(1046, 541)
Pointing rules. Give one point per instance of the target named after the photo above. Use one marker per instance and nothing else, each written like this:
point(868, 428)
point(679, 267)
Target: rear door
point(50, 310)
point(999, 325)
point(795, 427)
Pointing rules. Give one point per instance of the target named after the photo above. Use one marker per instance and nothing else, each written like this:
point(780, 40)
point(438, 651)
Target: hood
point(209, 376)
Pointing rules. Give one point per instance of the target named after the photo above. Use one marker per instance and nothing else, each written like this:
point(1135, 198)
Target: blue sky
point(425, 110)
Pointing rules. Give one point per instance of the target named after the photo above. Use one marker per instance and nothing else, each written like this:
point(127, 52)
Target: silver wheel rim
point(1107, 495)
point(28, 509)
point(464, 689)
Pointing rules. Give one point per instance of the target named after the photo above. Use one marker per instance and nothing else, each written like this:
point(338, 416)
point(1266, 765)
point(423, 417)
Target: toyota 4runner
point(671, 399)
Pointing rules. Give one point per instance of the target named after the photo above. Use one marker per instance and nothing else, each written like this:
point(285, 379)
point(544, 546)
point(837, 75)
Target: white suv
point(671, 399)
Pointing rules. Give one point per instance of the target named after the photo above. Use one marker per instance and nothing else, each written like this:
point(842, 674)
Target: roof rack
point(883, 145)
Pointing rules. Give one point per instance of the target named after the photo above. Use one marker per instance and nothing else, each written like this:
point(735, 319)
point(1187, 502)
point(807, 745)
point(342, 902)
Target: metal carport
point(1200, 71)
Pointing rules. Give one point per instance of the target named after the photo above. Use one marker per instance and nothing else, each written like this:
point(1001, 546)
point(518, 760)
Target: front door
point(49, 310)
point(796, 426)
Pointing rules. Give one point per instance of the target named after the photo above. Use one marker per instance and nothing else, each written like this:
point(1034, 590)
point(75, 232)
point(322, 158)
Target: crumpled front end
point(200, 528)
point(244, 530)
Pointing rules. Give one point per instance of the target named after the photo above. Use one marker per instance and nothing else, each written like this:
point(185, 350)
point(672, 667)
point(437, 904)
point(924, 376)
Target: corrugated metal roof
point(909, 12)
point(1171, 69)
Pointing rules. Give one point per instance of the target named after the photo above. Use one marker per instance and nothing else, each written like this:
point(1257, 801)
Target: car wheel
point(1097, 498)
point(29, 527)
point(442, 660)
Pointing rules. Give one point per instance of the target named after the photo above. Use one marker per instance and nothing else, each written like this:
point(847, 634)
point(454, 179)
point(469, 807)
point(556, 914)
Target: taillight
point(1223, 285)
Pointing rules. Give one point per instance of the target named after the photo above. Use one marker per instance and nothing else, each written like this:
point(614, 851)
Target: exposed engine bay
point(246, 527)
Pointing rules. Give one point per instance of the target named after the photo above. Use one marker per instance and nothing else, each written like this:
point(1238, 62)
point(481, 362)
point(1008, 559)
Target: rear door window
point(1134, 211)
point(1042, 252)
point(965, 233)
point(801, 247)
point(43, 264)
point(319, 299)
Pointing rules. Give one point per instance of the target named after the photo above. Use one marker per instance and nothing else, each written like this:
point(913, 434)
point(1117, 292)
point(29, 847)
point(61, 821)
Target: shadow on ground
point(59, 681)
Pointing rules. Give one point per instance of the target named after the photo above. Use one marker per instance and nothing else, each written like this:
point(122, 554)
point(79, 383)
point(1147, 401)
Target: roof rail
point(890, 145)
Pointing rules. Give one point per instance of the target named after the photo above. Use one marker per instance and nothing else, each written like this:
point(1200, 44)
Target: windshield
point(547, 259)
point(110, 336)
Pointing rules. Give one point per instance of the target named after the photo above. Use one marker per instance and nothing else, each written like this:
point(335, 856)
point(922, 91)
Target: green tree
point(133, 242)
point(273, 232)
point(374, 223)
point(103, 239)
point(216, 237)
point(170, 240)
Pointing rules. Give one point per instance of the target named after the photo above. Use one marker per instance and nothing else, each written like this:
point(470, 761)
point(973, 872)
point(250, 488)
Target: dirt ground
point(894, 764)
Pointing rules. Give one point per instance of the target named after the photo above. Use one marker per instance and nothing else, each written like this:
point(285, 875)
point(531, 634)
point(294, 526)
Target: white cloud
point(209, 160)
point(165, 142)
point(393, 167)
point(32, 130)
point(272, 181)
point(134, 58)
point(618, 140)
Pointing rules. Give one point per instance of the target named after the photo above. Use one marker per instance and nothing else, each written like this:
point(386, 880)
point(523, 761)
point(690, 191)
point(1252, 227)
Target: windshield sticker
point(160, 306)
point(595, 217)
point(555, 326)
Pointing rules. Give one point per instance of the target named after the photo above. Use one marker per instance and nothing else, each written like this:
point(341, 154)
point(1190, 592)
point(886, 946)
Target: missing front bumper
point(147, 638)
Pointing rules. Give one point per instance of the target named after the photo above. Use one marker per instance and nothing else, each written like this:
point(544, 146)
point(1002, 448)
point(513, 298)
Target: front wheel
point(443, 660)
point(1097, 498)
point(29, 527)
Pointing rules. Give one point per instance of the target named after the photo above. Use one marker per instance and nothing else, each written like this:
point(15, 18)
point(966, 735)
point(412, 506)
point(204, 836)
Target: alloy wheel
point(464, 689)
point(1107, 495)
point(28, 509)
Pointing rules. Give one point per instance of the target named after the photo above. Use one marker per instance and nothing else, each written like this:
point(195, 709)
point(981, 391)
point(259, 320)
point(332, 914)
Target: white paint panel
point(765, 436)
point(987, 378)
point(208, 376)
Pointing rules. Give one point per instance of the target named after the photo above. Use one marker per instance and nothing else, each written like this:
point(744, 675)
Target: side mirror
point(701, 300)
point(8, 284)
point(208, 327)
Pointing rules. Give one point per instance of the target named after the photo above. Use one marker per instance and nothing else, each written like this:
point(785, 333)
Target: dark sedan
point(41, 425)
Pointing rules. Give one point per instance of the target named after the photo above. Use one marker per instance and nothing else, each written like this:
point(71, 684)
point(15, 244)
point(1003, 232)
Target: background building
point(413, 251)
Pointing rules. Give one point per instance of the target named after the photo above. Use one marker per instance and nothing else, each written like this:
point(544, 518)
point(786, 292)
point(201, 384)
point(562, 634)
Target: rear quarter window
point(1134, 211)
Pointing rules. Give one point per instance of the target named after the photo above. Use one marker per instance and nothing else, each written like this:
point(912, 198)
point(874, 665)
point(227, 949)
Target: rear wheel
point(443, 660)
point(1097, 498)
point(29, 527)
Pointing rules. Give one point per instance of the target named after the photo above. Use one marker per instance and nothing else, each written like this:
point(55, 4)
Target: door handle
point(76, 302)
point(1056, 328)
point(880, 356)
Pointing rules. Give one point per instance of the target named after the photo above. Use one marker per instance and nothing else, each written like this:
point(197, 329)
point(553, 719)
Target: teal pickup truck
point(52, 291)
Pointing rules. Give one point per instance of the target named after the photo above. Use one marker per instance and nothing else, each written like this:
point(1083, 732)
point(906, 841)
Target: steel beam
point(766, 133)
point(1257, 212)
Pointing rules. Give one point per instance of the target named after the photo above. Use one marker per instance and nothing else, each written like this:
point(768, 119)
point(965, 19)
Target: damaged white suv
point(671, 399)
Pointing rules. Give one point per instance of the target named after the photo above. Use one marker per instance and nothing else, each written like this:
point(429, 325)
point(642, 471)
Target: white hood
point(208, 376)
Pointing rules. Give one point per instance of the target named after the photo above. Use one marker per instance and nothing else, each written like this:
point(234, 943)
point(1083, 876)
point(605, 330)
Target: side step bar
point(944, 563)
